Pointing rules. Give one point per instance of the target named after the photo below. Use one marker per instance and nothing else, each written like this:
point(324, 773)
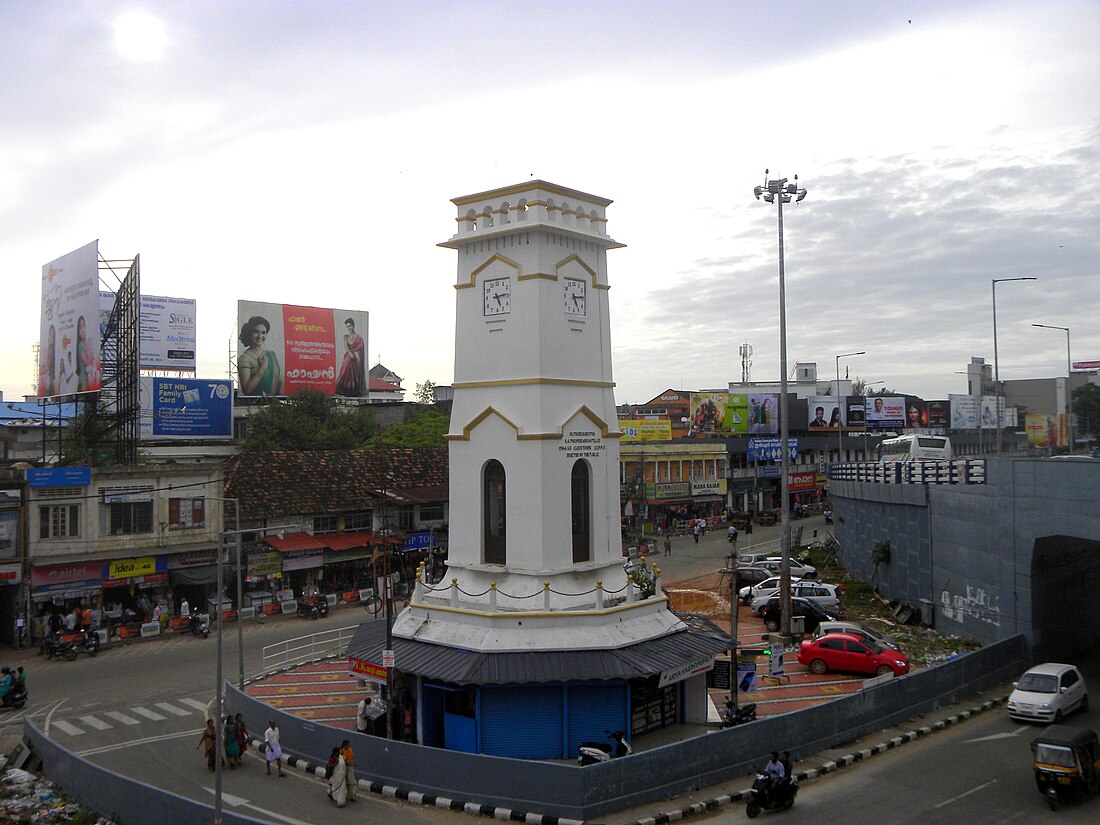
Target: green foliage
point(425, 393)
point(859, 387)
point(880, 553)
point(425, 428)
point(642, 575)
point(309, 420)
point(1086, 408)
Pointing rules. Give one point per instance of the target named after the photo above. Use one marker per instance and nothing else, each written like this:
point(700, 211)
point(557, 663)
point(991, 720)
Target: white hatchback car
point(803, 571)
point(769, 586)
point(1048, 693)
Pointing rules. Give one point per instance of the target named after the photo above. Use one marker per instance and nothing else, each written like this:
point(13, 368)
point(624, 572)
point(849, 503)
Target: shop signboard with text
point(283, 349)
point(708, 488)
point(59, 476)
point(771, 449)
point(668, 489)
point(64, 573)
point(360, 669)
point(644, 430)
point(128, 568)
point(798, 482)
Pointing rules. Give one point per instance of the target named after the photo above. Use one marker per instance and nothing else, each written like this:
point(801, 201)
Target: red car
point(843, 651)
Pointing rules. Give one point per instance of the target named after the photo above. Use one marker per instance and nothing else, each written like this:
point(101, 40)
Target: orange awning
point(348, 541)
point(295, 541)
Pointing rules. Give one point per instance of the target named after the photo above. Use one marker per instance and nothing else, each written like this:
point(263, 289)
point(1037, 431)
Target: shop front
point(61, 587)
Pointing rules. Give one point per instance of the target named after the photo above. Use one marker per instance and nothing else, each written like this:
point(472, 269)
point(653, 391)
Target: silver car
point(825, 596)
point(862, 631)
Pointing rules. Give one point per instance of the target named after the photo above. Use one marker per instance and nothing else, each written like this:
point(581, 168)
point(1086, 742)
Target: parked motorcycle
point(313, 608)
point(90, 643)
point(53, 646)
point(768, 795)
point(15, 698)
point(591, 753)
point(738, 716)
point(199, 626)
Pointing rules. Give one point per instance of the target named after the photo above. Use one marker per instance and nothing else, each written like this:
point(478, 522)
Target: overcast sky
point(306, 153)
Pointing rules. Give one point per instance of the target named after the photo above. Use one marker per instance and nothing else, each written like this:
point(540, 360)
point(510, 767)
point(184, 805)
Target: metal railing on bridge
point(306, 649)
point(959, 471)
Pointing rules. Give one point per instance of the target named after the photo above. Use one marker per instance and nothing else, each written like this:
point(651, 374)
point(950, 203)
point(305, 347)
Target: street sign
point(387, 658)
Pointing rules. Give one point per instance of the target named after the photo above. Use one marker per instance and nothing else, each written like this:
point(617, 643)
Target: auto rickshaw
point(1066, 762)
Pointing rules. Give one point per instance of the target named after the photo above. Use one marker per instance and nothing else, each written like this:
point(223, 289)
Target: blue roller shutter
point(593, 711)
point(522, 722)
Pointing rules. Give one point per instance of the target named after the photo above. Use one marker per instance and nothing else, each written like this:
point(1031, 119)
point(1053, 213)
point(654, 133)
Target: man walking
point(731, 535)
point(349, 760)
point(696, 531)
point(668, 544)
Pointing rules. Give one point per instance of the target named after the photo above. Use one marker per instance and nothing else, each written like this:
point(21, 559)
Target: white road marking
point(49, 716)
point(241, 802)
point(194, 703)
point(149, 714)
point(121, 717)
point(135, 742)
point(173, 709)
point(66, 727)
point(93, 722)
point(994, 736)
point(967, 793)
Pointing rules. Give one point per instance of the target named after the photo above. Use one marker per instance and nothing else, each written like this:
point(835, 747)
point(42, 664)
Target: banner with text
point(69, 342)
point(174, 408)
point(885, 412)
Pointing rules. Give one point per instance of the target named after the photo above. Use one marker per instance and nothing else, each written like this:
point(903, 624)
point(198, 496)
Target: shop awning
point(347, 541)
point(295, 541)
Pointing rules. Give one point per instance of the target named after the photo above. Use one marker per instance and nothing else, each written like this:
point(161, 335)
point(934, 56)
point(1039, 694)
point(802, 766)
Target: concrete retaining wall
point(565, 790)
point(126, 801)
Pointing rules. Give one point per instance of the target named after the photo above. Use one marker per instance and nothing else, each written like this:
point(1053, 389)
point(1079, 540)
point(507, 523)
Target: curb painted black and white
point(827, 767)
point(431, 800)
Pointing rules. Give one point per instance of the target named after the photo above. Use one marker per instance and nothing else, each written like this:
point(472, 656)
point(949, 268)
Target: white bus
point(915, 448)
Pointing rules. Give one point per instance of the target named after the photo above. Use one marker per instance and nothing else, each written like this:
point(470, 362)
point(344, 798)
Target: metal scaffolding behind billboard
point(117, 416)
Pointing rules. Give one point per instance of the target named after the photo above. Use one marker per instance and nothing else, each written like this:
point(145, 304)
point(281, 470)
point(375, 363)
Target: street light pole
point(1069, 378)
point(840, 420)
point(778, 191)
point(996, 360)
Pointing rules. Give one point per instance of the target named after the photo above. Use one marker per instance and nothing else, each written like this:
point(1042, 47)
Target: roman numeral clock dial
point(497, 297)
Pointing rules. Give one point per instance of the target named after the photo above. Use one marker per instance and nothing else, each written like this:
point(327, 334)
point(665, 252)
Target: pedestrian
point(185, 609)
point(273, 752)
point(362, 719)
point(208, 741)
point(731, 535)
point(668, 544)
point(696, 531)
point(242, 733)
point(338, 784)
point(232, 742)
point(348, 755)
point(86, 618)
point(330, 771)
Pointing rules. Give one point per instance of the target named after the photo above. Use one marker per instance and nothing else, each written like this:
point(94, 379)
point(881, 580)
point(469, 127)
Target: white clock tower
point(534, 451)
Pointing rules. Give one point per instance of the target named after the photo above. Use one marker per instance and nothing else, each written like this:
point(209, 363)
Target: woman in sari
point(232, 742)
point(208, 742)
point(242, 733)
point(338, 784)
point(350, 381)
point(258, 369)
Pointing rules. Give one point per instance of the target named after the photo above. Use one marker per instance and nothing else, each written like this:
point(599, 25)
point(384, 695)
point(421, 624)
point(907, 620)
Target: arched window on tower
point(580, 497)
point(494, 526)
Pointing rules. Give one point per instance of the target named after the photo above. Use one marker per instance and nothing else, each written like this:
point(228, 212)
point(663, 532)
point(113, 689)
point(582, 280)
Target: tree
point(308, 420)
point(426, 427)
point(1086, 407)
point(425, 393)
point(859, 387)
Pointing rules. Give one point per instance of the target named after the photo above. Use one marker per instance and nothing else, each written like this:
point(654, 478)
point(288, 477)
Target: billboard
point(1047, 430)
point(856, 419)
point(708, 411)
point(885, 412)
point(645, 430)
point(166, 328)
point(68, 354)
point(938, 414)
point(916, 413)
point(283, 349)
point(825, 411)
point(965, 411)
point(178, 408)
point(771, 449)
point(753, 413)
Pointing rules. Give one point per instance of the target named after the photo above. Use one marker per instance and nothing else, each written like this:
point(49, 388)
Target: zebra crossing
point(123, 719)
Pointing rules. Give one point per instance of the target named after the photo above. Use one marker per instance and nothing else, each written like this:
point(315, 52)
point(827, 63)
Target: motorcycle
point(90, 642)
point(15, 698)
point(313, 608)
point(767, 795)
point(199, 626)
point(733, 717)
point(53, 646)
point(591, 753)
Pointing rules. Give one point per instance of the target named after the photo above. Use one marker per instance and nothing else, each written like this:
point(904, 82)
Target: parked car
point(752, 559)
point(867, 634)
point(812, 615)
point(1048, 693)
point(803, 571)
point(826, 596)
point(750, 576)
point(843, 651)
point(769, 585)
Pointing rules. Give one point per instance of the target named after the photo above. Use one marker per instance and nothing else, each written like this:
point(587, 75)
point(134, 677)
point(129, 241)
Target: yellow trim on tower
point(584, 409)
point(513, 382)
point(484, 266)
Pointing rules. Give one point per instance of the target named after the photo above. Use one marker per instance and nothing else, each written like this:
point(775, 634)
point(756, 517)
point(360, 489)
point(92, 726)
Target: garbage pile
point(26, 798)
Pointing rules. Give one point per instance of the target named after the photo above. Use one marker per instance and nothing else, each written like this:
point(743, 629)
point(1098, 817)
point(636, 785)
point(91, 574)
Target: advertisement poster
point(825, 411)
point(857, 412)
point(771, 449)
point(1047, 430)
point(754, 413)
point(708, 409)
point(937, 414)
point(989, 413)
point(284, 349)
point(166, 330)
point(885, 412)
point(965, 410)
point(9, 534)
point(174, 408)
point(68, 354)
point(644, 430)
point(916, 414)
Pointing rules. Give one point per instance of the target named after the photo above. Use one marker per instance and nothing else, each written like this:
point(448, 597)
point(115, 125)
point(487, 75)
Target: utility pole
point(733, 629)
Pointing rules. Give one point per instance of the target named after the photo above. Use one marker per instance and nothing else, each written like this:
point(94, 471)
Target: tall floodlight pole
point(840, 420)
point(780, 192)
point(1069, 378)
point(997, 363)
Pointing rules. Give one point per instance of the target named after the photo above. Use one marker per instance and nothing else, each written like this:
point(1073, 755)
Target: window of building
point(581, 510)
point(431, 512)
point(59, 521)
point(326, 524)
point(494, 527)
point(363, 520)
point(186, 512)
point(406, 517)
point(126, 511)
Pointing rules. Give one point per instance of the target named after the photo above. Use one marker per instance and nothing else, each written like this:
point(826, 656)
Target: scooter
point(199, 626)
point(767, 795)
point(591, 753)
point(745, 713)
point(15, 698)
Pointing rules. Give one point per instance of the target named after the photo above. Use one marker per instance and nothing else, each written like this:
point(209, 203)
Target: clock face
point(498, 296)
point(575, 292)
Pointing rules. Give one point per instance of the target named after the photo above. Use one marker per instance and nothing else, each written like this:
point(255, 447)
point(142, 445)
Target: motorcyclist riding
point(776, 772)
point(6, 681)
